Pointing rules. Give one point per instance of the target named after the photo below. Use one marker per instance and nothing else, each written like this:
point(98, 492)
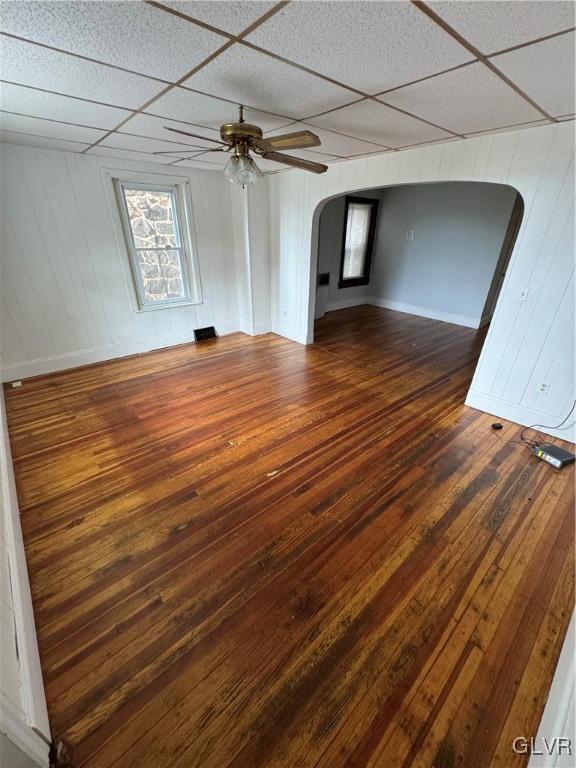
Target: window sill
point(353, 282)
point(168, 305)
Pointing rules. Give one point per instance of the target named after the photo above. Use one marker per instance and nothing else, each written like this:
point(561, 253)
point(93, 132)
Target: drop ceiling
point(105, 78)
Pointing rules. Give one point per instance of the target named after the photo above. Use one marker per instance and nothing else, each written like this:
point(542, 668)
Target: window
point(154, 222)
point(358, 240)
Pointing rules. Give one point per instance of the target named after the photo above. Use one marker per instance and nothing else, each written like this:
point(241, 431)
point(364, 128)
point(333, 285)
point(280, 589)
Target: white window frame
point(183, 222)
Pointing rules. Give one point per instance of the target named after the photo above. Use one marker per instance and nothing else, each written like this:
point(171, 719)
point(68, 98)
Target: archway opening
point(412, 268)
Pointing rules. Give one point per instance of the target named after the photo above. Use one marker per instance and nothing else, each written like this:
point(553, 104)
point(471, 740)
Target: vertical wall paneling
point(259, 239)
point(528, 339)
point(67, 294)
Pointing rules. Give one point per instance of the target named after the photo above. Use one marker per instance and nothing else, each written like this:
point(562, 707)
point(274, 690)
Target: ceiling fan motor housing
point(234, 132)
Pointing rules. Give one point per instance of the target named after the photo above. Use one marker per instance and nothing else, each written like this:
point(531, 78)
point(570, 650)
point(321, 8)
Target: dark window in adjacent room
point(360, 217)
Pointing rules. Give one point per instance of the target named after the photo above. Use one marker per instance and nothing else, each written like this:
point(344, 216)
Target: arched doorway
point(439, 250)
point(407, 277)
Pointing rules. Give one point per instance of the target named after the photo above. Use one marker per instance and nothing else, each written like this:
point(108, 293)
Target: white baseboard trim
point(68, 360)
point(260, 328)
point(558, 717)
point(433, 314)
point(23, 737)
point(409, 309)
point(519, 414)
point(290, 333)
point(333, 306)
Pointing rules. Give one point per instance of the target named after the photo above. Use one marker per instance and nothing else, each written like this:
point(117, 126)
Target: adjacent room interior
point(287, 358)
point(434, 250)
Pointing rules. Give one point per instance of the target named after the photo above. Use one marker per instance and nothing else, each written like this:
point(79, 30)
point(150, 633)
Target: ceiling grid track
point(240, 39)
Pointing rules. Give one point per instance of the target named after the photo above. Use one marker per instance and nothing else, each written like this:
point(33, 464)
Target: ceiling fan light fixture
point(242, 170)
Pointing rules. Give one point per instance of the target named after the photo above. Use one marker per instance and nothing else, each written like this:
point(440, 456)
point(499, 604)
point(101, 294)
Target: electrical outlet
point(16, 384)
point(543, 388)
point(409, 234)
point(523, 294)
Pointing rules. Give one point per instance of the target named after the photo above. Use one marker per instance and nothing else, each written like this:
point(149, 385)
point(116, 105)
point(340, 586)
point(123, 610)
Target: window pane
point(357, 226)
point(161, 273)
point(152, 218)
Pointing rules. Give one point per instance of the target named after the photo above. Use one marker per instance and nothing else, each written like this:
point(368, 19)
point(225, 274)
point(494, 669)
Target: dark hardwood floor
point(248, 552)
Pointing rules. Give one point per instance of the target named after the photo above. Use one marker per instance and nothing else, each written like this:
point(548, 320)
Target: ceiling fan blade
point(183, 151)
point(196, 154)
point(296, 162)
point(296, 140)
point(194, 135)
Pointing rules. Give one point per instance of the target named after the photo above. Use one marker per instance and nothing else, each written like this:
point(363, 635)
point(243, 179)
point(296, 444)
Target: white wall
point(447, 268)
point(66, 286)
point(530, 341)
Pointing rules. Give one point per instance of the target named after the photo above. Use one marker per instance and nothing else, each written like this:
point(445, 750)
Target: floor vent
point(202, 334)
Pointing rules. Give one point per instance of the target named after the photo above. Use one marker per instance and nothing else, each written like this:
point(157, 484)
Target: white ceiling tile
point(125, 154)
point(521, 126)
point(43, 142)
point(200, 165)
point(375, 122)
point(333, 143)
point(493, 26)
point(245, 76)
point(232, 16)
point(27, 101)
point(129, 34)
point(199, 109)
point(155, 128)
point(469, 99)
point(216, 160)
point(371, 46)
point(545, 72)
point(139, 144)
point(47, 128)
point(28, 64)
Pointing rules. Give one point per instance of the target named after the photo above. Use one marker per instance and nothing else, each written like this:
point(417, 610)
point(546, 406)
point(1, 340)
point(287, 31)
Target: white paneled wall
point(530, 341)
point(250, 217)
point(66, 287)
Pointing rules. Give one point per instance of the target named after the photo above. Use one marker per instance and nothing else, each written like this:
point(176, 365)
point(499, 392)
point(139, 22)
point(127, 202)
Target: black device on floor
point(553, 455)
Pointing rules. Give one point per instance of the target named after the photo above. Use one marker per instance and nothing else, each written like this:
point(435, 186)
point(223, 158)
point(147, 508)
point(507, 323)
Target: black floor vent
point(202, 334)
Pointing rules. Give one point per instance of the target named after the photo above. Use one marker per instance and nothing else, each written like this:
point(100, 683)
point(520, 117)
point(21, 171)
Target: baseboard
point(260, 328)
point(357, 301)
point(68, 360)
point(519, 414)
point(409, 309)
point(290, 333)
point(434, 314)
point(23, 737)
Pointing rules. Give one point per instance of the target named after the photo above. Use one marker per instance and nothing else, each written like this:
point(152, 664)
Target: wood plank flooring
point(248, 552)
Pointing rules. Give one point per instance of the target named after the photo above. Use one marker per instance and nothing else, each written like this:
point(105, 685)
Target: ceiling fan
point(241, 138)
